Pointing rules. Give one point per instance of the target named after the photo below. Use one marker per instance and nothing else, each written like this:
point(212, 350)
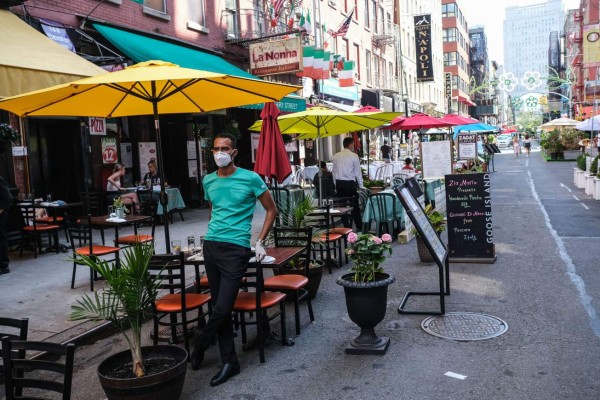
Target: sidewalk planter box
point(596, 189)
point(570, 154)
point(589, 184)
point(575, 169)
point(580, 182)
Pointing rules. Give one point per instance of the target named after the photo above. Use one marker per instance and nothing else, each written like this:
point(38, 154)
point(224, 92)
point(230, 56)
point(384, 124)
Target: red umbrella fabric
point(271, 158)
point(458, 120)
point(422, 121)
point(395, 125)
point(367, 109)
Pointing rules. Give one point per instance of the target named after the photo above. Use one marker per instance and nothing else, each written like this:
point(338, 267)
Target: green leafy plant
point(132, 290)
point(9, 134)
point(551, 142)
point(581, 161)
point(594, 166)
point(570, 138)
point(368, 252)
point(436, 218)
point(118, 203)
point(373, 183)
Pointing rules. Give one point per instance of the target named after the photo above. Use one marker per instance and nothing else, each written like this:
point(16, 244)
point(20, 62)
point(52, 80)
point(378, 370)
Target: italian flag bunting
point(308, 59)
point(305, 23)
point(317, 72)
point(346, 75)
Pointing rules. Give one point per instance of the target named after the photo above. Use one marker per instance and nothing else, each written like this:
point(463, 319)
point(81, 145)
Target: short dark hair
point(408, 161)
point(227, 136)
point(347, 142)
point(323, 165)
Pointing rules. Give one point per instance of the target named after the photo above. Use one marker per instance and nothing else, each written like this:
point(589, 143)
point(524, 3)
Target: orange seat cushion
point(29, 228)
point(130, 239)
point(332, 237)
point(47, 220)
point(246, 301)
point(286, 282)
point(96, 250)
point(172, 302)
point(341, 231)
point(204, 281)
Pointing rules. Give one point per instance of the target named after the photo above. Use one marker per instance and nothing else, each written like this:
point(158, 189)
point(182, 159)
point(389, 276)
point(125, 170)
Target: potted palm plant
point(439, 225)
point(365, 289)
point(153, 372)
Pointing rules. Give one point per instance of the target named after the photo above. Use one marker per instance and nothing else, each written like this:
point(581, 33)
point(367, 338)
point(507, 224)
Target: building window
point(197, 15)
point(157, 5)
point(368, 66)
point(449, 35)
point(376, 74)
point(366, 12)
point(231, 18)
point(449, 10)
point(357, 66)
point(450, 58)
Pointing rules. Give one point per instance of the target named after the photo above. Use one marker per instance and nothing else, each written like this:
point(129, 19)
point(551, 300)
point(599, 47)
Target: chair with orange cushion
point(293, 283)
point(256, 301)
point(327, 241)
point(342, 230)
point(130, 240)
point(170, 268)
point(33, 230)
point(81, 239)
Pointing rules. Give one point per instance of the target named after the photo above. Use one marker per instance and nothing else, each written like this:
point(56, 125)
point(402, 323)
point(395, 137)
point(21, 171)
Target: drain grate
point(464, 326)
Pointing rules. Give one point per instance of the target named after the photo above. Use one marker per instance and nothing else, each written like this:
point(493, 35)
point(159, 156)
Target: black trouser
point(348, 189)
point(3, 240)
point(225, 265)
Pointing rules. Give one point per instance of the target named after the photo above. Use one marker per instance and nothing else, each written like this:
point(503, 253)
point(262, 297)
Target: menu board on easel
point(469, 213)
point(436, 159)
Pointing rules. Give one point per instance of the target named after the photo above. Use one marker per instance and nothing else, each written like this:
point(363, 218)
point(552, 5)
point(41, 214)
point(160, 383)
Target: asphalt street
point(544, 285)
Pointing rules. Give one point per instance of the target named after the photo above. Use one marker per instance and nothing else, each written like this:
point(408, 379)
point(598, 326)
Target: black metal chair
point(282, 199)
point(13, 329)
point(32, 231)
point(129, 240)
point(18, 378)
point(94, 206)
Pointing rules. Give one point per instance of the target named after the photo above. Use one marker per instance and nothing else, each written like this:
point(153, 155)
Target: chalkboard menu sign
point(469, 213)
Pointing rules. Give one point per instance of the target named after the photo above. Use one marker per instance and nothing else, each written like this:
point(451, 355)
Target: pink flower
point(352, 237)
point(386, 237)
point(376, 240)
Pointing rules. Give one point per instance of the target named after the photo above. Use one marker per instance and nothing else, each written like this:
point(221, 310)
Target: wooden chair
point(327, 242)
point(257, 302)
point(383, 212)
point(15, 329)
point(33, 230)
point(93, 205)
point(170, 268)
point(80, 235)
point(343, 230)
point(129, 240)
point(293, 283)
point(18, 368)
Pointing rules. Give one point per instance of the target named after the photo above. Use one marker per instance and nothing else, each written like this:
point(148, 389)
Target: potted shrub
point(8, 135)
point(552, 145)
point(365, 289)
point(374, 186)
point(570, 140)
point(439, 226)
point(153, 372)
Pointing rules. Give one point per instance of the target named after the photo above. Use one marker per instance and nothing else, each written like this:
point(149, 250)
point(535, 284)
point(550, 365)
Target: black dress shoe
point(228, 370)
point(197, 357)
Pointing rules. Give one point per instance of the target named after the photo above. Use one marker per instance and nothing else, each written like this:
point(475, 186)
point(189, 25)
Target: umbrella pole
point(164, 198)
point(319, 166)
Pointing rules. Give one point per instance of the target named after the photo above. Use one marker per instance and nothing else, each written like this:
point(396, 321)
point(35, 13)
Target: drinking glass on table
point(200, 244)
point(111, 210)
point(49, 198)
point(175, 246)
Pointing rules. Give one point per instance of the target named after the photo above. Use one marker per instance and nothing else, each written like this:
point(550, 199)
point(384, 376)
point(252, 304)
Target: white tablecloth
point(310, 172)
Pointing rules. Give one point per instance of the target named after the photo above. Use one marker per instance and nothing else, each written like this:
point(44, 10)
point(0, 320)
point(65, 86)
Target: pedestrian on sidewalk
point(5, 202)
point(516, 146)
point(527, 144)
point(231, 193)
point(347, 175)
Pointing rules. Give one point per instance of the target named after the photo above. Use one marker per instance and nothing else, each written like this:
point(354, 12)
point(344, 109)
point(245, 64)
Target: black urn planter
point(366, 303)
point(164, 385)
point(424, 253)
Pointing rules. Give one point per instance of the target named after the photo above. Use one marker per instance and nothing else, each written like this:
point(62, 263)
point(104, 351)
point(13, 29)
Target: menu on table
point(469, 213)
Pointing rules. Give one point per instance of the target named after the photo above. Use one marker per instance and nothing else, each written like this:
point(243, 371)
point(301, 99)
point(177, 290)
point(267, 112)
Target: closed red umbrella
point(367, 109)
point(396, 124)
point(271, 158)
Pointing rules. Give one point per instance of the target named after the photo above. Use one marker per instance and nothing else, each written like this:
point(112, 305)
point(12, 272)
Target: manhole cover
point(464, 326)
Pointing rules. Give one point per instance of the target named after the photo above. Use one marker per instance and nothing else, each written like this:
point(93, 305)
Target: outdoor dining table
point(175, 199)
point(430, 187)
point(104, 220)
point(371, 213)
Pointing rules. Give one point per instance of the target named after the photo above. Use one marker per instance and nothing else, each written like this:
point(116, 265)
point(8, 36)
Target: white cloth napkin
point(196, 257)
point(115, 219)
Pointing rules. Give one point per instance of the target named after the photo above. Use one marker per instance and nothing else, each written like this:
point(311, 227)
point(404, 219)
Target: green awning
point(143, 48)
point(290, 104)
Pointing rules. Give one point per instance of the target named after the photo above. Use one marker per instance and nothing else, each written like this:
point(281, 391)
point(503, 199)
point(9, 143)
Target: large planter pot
point(163, 385)
point(596, 189)
point(376, 189)
point(580, 179)
point(424, 254)
point(589, 184)
point(314, 276)
point(366, 303)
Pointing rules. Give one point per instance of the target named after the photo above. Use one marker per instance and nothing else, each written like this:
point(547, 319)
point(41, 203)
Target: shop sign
point(147, 152)
point(332, 87)
point(18, 151)
point(57, 32)
point(423, 46)
point(448, 90)
point(287, 104)
point(276, 57)
point(97, 126)
point(467, 146)
point(109, 150)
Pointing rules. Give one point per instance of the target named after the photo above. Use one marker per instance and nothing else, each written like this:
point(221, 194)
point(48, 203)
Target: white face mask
point(222, 159)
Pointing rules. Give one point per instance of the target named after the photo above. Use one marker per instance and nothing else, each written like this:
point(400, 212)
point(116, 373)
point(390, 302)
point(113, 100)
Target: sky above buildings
point(490, 14)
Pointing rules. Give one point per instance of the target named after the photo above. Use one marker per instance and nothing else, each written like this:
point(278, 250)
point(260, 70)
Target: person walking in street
point(386, 152)
point(5, 202)
point(516, 146)
point(347, 174)
point(527, 144)
point(231, 193)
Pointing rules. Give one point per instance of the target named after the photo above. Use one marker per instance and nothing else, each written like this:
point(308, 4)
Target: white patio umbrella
point(591, 124)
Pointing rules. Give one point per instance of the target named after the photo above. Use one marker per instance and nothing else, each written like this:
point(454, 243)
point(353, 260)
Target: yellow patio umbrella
point(148, 88)
point(319, 122)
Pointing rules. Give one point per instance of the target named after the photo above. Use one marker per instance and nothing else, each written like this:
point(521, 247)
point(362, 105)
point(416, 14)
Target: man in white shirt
point(347, 173)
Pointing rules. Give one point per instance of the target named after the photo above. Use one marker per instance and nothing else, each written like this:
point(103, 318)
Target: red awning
point(466, 100)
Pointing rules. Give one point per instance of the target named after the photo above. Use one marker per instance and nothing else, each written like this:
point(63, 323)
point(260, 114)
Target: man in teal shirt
point(231, 193)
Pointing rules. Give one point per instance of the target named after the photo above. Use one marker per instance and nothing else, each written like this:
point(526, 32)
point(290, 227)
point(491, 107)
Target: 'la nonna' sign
point(276, 57)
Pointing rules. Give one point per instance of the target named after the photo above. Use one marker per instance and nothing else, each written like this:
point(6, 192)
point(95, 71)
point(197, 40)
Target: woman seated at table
point(114, 185)
point(408, 164)
point(152, 175)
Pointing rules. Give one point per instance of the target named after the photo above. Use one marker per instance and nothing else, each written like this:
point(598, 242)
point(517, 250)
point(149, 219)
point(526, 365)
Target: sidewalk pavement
point(549, 350)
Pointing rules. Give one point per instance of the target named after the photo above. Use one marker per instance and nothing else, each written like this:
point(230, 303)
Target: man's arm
point(209, 210)
point(358, 172)
point(269, 205)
